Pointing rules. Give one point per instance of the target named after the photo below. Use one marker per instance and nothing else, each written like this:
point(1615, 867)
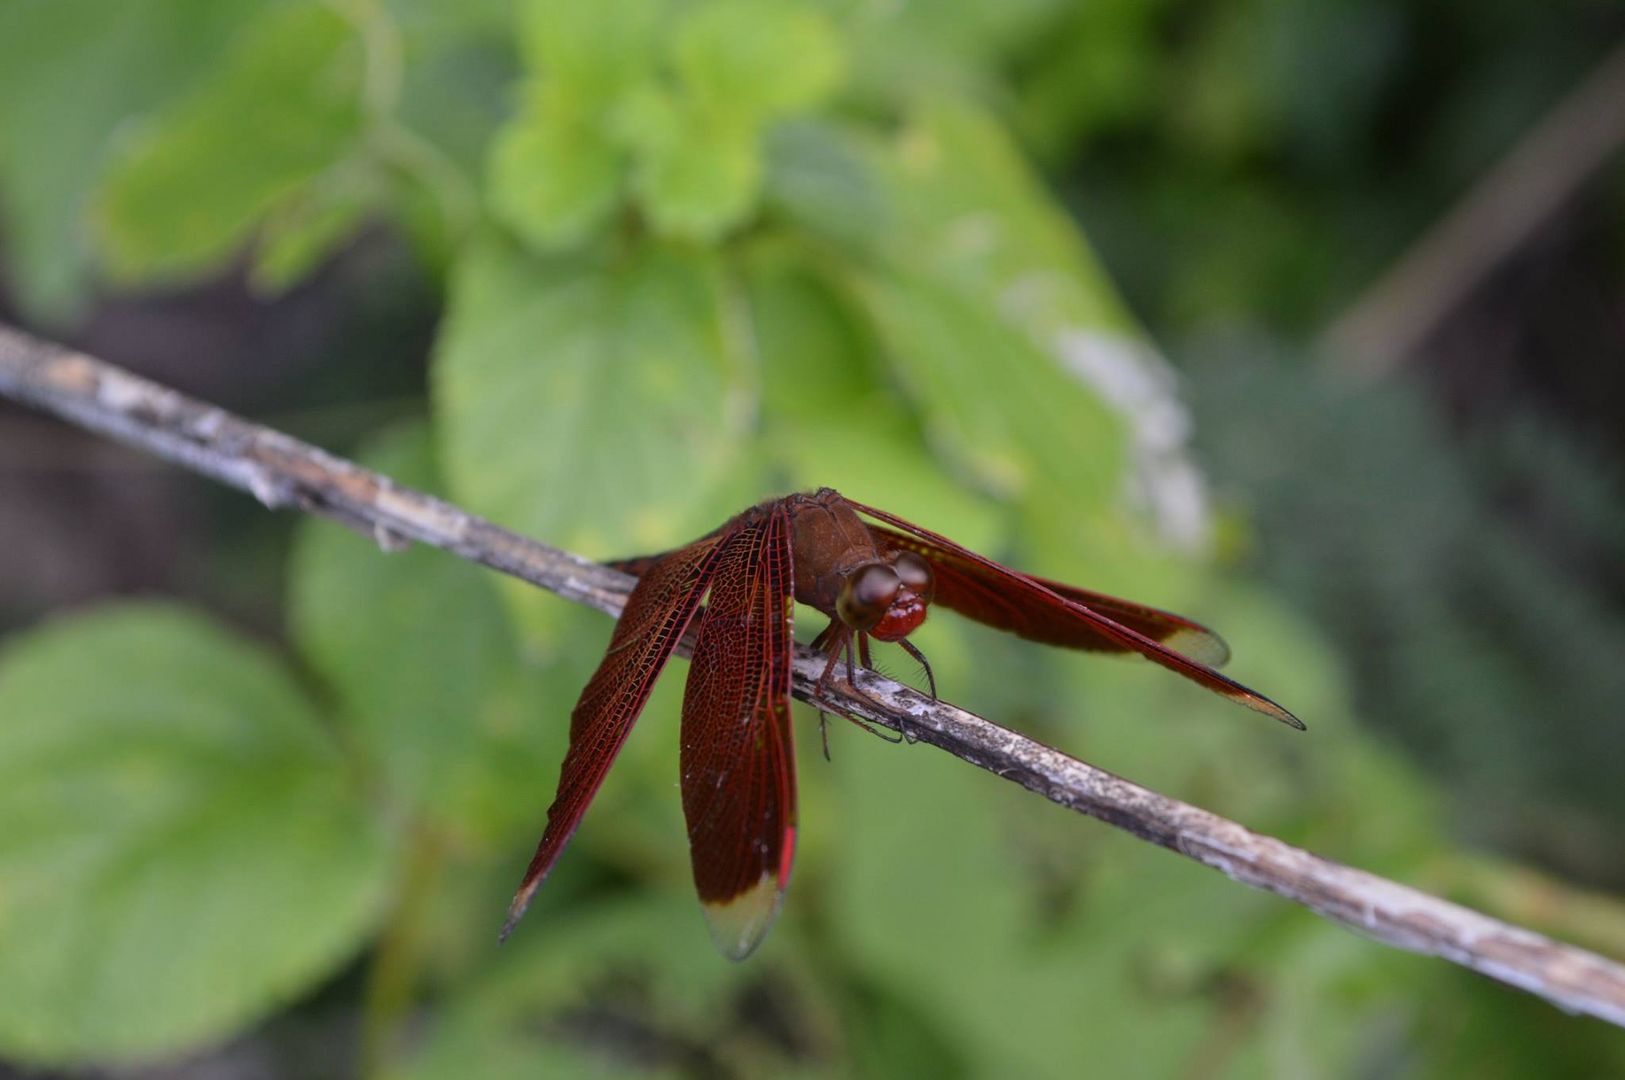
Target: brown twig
point(283, 472)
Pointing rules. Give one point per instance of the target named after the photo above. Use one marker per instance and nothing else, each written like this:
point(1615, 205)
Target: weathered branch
point(284, 472)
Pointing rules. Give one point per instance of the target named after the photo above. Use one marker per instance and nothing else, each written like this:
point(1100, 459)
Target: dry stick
point(1395, 315)
point(284, 472)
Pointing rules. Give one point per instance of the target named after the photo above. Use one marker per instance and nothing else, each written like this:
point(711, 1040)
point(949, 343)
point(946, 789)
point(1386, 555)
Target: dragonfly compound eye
point(866, 594)
point(916, 575)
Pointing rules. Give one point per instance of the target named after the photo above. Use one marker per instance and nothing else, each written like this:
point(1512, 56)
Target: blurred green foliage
point(1490, 651)
point(693, 254)
point(185, 847)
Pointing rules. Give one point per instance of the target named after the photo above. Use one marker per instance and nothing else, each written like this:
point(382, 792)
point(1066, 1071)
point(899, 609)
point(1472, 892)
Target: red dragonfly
point(872, 580)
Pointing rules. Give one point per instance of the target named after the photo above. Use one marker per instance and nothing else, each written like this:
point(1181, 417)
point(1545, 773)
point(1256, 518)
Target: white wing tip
point(739, 925)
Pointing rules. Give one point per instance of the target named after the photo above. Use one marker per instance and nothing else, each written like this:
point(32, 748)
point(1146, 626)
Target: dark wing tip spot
point(1262, 704)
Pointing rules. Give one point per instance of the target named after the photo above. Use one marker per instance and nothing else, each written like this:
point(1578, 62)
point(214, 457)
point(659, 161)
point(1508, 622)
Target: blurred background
point(1303, 317)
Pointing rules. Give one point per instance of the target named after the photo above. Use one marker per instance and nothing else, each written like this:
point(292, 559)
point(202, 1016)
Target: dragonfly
point(875, 575)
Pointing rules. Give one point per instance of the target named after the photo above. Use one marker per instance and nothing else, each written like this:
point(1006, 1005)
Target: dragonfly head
point(887, 598)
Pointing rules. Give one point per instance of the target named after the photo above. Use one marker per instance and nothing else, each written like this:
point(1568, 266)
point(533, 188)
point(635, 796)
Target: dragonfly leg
point(822, 642)
point(909, 647)
point(823, 728)
point(852, 681)
point(832, 639)
point(836, 640)
point(913, 650)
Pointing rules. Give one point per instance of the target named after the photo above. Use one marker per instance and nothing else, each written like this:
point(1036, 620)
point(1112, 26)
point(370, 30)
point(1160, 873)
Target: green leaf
point(72, 72)
point(556, 171)
point(961, 866)
point(986, 280)
point(819, 359)
point(595, 406)
point(757, 59)
point(1099, 67)
point(555, 178)
point(828, 418)
point(417, 646)
point(513, 1020)
point(700, 176)
point(182, 848)
point(193, 187)
point(976, 213)
point(304, 231)
point(993, 401)
point(590, 53)
point(455, 94)
point(912, 52)
point(461, 70)
point(817, 176)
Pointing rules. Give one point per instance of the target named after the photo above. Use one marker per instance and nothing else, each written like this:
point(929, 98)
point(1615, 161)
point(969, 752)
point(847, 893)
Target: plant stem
point(392, 978)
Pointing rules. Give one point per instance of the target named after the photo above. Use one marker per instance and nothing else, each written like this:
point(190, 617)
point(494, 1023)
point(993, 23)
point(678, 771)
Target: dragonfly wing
point(964, 586)
point(1171, 631)
point(738, 763)
point(657, 613)
point(981, 589)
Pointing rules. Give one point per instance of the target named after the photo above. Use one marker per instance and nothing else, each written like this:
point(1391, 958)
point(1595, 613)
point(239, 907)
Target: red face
point(887, 599)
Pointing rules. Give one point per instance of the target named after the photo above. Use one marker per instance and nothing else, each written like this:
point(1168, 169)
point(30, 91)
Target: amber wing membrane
point(1171, 631)
point(656, 615)
point(963, 586)
point(738, 764)
point(637, 566)
point(981, 589)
